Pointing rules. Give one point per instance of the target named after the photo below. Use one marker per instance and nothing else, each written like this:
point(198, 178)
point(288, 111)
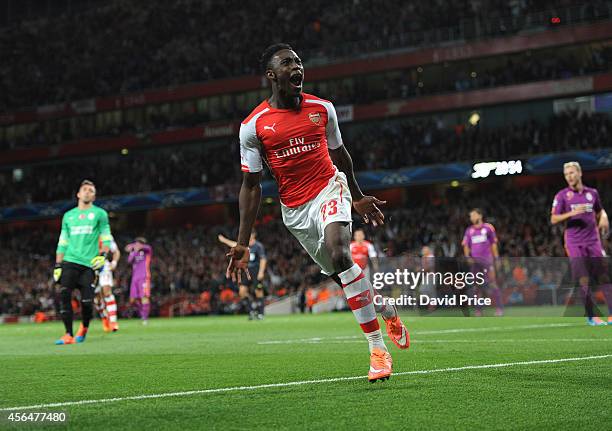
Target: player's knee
point(341, 257)
point(336, 278)
point(145, 300)
point(65, 296)
point(106, 290)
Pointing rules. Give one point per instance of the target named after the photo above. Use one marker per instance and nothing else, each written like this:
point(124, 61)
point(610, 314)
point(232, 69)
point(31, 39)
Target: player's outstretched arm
point(248, 203)
point(366, 206)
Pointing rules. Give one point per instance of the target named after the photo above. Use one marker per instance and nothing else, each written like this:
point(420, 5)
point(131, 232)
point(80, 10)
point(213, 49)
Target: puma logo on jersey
point(270, 127)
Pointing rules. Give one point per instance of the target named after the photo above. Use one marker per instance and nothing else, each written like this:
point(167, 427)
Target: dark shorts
point(253, 285)
point(75, 276)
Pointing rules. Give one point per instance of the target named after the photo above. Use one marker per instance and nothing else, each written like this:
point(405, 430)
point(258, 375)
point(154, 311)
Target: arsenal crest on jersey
point(315, 117)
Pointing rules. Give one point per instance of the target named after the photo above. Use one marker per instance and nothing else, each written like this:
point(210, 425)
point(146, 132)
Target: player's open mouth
point(296, 80)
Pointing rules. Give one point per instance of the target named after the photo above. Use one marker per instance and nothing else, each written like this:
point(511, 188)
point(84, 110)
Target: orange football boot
point(114, 326)
point(381, 365)
point(81, 334)
point(66, 339)
point(397, 332)
point(106, 325)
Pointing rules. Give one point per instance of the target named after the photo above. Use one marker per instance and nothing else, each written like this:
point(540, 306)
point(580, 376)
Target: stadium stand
point(189, 260)
point(96, 56)
point(379, 145)
point(190, 41)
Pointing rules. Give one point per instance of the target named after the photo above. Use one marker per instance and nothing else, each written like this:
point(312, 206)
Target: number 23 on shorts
point(328, 209)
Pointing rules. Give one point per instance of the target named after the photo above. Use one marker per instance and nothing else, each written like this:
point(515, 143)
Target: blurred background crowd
point(379, 145)
point(189, 262)
point(74, 52)
point(121, 46)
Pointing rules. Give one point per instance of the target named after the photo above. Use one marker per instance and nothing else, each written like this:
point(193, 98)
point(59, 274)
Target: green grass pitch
point(194, 354)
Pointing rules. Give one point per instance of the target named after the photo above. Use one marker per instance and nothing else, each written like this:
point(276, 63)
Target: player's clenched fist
point(367, 208)
point(239, 261)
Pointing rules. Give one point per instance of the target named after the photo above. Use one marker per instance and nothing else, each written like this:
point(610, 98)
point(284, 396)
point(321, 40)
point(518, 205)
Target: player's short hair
point(254, 233)
point(87, 183)
point(572, 165)
point(477, 210)
point(269, 52)
point(141, 239)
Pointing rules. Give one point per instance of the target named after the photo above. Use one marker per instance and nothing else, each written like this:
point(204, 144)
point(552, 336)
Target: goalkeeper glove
point(57, 272)
point(98, 262)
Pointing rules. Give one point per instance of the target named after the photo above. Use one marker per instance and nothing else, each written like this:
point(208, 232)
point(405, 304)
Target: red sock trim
point(370, 326)
point(359, 277)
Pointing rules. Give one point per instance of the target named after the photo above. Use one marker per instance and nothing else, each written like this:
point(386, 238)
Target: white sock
point(111, 308)
point(358, 291)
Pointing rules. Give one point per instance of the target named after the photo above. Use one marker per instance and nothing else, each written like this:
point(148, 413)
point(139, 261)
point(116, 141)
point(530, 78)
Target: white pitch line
point(485, 341)
point(298, 383)
point(432, 332)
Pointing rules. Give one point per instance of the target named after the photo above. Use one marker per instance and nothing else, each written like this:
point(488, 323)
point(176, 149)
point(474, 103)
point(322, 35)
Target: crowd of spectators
point(468, 75)
point(127, 46)
point(412, 142)
point(360, 89)
point(116, 174)
point(386, 145)
point(460, 76)
point(189, 263)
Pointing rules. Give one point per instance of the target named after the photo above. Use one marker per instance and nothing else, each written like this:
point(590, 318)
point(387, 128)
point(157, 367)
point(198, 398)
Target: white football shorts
point(308, 221)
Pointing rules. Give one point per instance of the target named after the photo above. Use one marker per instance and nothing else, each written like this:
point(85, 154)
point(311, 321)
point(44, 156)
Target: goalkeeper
point(77, 257)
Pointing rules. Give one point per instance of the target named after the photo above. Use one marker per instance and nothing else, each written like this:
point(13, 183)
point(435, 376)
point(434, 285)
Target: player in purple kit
point(480, 247)
point(140, 254)
point(580, 208)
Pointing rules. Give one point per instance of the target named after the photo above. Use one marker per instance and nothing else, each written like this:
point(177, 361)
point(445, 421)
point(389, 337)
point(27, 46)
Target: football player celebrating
point(298, 136)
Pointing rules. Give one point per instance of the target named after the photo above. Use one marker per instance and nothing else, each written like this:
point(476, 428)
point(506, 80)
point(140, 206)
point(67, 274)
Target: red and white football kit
point(313, 194)
point(294, 144)
point(362, 252)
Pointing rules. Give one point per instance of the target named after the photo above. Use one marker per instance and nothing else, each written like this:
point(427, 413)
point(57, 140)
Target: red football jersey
point(295, 146)
point(361, 253)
